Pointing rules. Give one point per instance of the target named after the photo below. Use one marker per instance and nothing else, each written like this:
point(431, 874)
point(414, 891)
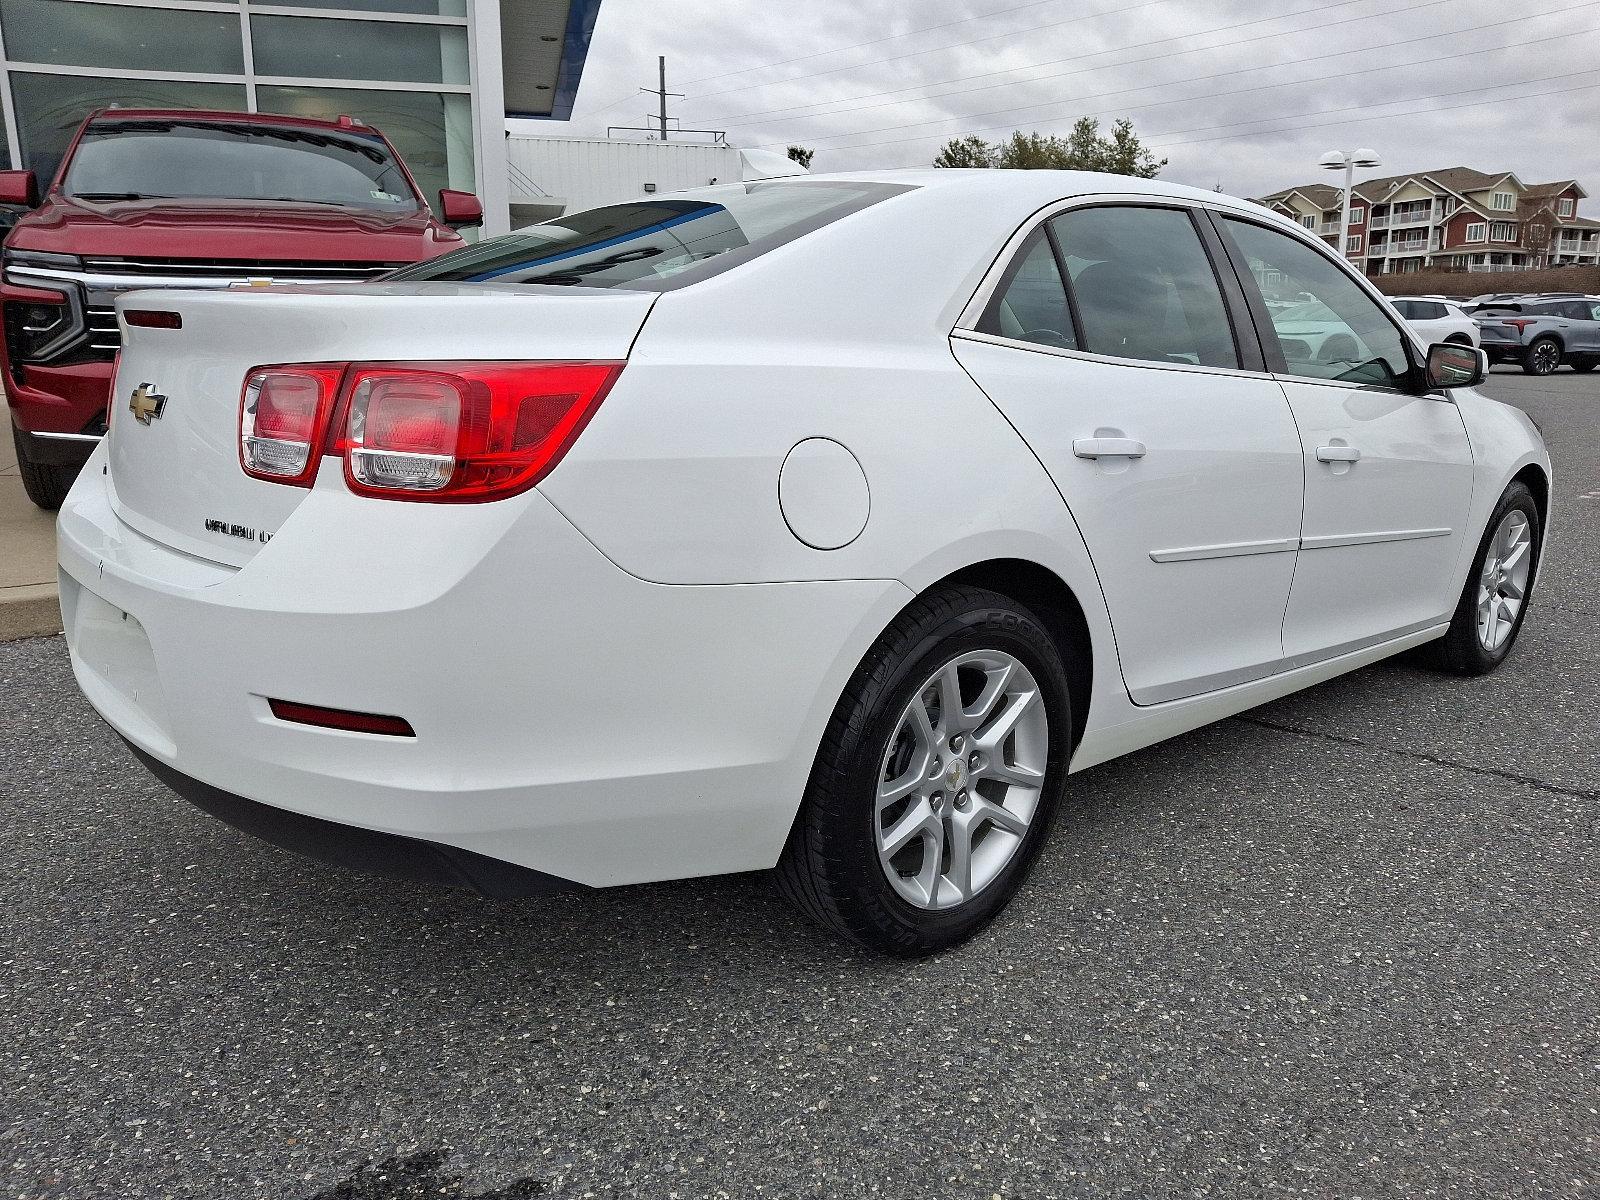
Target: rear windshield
point(163, 159)
point(652, 245)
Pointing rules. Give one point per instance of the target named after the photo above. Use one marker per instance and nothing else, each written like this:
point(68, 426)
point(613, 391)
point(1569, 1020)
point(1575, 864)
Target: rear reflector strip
point(339, 718)
point(153, 318)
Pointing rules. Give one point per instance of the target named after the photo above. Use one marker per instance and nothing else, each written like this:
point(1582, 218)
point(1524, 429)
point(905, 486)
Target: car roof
point(1011, 186)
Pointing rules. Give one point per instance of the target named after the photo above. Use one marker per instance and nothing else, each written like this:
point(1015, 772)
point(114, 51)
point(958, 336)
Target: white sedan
point(824, 525)
point(1437, 320)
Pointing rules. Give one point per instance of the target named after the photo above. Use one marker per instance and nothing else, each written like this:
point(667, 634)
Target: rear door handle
point(1108, 447)
point(1337, 454)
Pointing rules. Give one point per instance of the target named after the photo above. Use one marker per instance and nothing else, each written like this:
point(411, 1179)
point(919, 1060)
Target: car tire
point(46, 484)
point(1471, 647)
point(1542, 356)
point(840, 866)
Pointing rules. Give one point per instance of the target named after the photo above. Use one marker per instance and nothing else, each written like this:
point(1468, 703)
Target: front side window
point(1144, 286)
point(1327, 326)
point(141, 158)
point(649, 245)
point(1031, 303)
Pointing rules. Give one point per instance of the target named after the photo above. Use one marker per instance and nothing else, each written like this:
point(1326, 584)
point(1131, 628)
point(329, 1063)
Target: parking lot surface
point(1344, 945)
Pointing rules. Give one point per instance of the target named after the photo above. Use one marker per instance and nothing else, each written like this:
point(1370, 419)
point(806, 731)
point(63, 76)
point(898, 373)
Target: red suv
point(154, 198)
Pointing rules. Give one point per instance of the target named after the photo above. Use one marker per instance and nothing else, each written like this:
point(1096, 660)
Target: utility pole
point(660, 93)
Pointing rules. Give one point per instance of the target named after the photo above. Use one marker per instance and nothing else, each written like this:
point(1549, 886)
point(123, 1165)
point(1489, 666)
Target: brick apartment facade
point(1455, 219)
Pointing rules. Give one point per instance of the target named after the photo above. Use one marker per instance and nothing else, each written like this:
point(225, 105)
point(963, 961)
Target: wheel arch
point(1055, 603)
point(1532, 477)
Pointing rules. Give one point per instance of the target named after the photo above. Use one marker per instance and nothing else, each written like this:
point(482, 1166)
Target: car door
point(1388, 468)
point(1583, 334)
point(1107, 342)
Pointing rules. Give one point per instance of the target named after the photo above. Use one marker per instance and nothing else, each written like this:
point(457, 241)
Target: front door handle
point(1337, 454)
point(1108, 447)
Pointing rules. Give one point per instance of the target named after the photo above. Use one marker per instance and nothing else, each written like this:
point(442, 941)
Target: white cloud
point(1193, 75)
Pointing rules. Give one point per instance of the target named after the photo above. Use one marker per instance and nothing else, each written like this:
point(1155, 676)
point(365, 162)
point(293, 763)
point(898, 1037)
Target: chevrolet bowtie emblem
point(146, 403)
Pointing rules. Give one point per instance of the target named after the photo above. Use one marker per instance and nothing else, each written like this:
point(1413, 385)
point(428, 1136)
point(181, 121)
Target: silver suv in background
point(1541, 332)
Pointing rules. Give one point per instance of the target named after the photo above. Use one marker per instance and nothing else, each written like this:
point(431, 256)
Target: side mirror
point(1451, 365)
point(19, 187)
point(459, 208)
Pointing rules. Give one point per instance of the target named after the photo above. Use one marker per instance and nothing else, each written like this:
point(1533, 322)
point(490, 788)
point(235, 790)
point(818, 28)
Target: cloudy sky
point(1242, 93)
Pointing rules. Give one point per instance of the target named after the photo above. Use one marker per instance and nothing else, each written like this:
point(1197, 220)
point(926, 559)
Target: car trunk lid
point(174, 440)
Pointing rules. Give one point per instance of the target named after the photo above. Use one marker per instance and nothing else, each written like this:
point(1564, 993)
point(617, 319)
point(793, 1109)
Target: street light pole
point(1349, 160)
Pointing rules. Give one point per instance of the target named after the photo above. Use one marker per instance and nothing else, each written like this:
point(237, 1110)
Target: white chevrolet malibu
point(822, 524)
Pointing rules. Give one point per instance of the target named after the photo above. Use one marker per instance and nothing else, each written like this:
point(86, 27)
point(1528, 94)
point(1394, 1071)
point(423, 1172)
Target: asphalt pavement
point(1342, 946)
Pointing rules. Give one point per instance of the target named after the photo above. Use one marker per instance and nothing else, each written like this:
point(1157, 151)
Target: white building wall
point(580, 173)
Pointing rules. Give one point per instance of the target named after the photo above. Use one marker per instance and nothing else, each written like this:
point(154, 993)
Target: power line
point(1582, 87)
point(1138, 60)
point(1226, 74)
point(1157, 144)
point(871, 62)
point(876, 41)
point(783, 62)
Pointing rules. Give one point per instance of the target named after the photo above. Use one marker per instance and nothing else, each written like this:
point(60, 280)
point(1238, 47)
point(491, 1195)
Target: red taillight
point(283, 414)
point(448, 431)
point(1518, 323)
point(340, 718)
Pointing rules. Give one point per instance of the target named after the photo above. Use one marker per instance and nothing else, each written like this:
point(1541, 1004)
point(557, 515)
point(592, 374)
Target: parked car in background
point(1541, 333)
point(1437, 320)
point(821, 524)
point(148, 198)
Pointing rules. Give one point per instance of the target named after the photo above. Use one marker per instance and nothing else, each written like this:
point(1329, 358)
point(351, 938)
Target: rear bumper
point(570, 718)
point(363, 849)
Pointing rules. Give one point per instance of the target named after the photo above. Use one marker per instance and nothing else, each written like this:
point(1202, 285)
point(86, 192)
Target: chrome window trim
point(995, 339)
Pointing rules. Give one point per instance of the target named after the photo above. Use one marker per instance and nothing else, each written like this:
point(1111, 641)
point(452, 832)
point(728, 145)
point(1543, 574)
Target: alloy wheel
point(1546, 357)
point(1503, 583)
point(961, 779)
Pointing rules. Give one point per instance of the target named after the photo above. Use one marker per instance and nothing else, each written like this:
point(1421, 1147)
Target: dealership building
point(438, 77)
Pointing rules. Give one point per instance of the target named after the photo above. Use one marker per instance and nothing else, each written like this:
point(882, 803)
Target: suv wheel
point(47, 484)
point(937, 778)
point(1542, 357)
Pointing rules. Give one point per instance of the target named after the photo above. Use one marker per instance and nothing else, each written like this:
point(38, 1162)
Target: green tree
point(1083, 149)
point(802, 156)
point(970, 151)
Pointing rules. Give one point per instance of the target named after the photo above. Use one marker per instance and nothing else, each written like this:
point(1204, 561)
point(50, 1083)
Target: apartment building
point(1456, 218)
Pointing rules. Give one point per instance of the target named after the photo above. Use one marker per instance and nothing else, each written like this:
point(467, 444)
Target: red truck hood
point(243, 231)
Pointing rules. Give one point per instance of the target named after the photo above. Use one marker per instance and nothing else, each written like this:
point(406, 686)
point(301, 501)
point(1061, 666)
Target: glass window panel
point(116, 36)
point(1144, 286)
point(323, 48)
point(432, 132)
point(51, 107)
point(425, 8)
point(1031, 305)
point(1327, 326)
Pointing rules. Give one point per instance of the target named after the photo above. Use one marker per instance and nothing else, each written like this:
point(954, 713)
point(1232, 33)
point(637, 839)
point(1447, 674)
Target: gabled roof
point(1319, 195)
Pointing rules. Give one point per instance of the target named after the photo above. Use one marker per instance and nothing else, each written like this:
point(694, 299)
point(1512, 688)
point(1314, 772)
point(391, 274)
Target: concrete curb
point(29, 610)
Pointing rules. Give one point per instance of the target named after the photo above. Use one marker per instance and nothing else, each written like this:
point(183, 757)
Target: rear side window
point(1425, 310)
point(1031, 303)
point(1144, 286)
point(652, 245)
point(1327, 326)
